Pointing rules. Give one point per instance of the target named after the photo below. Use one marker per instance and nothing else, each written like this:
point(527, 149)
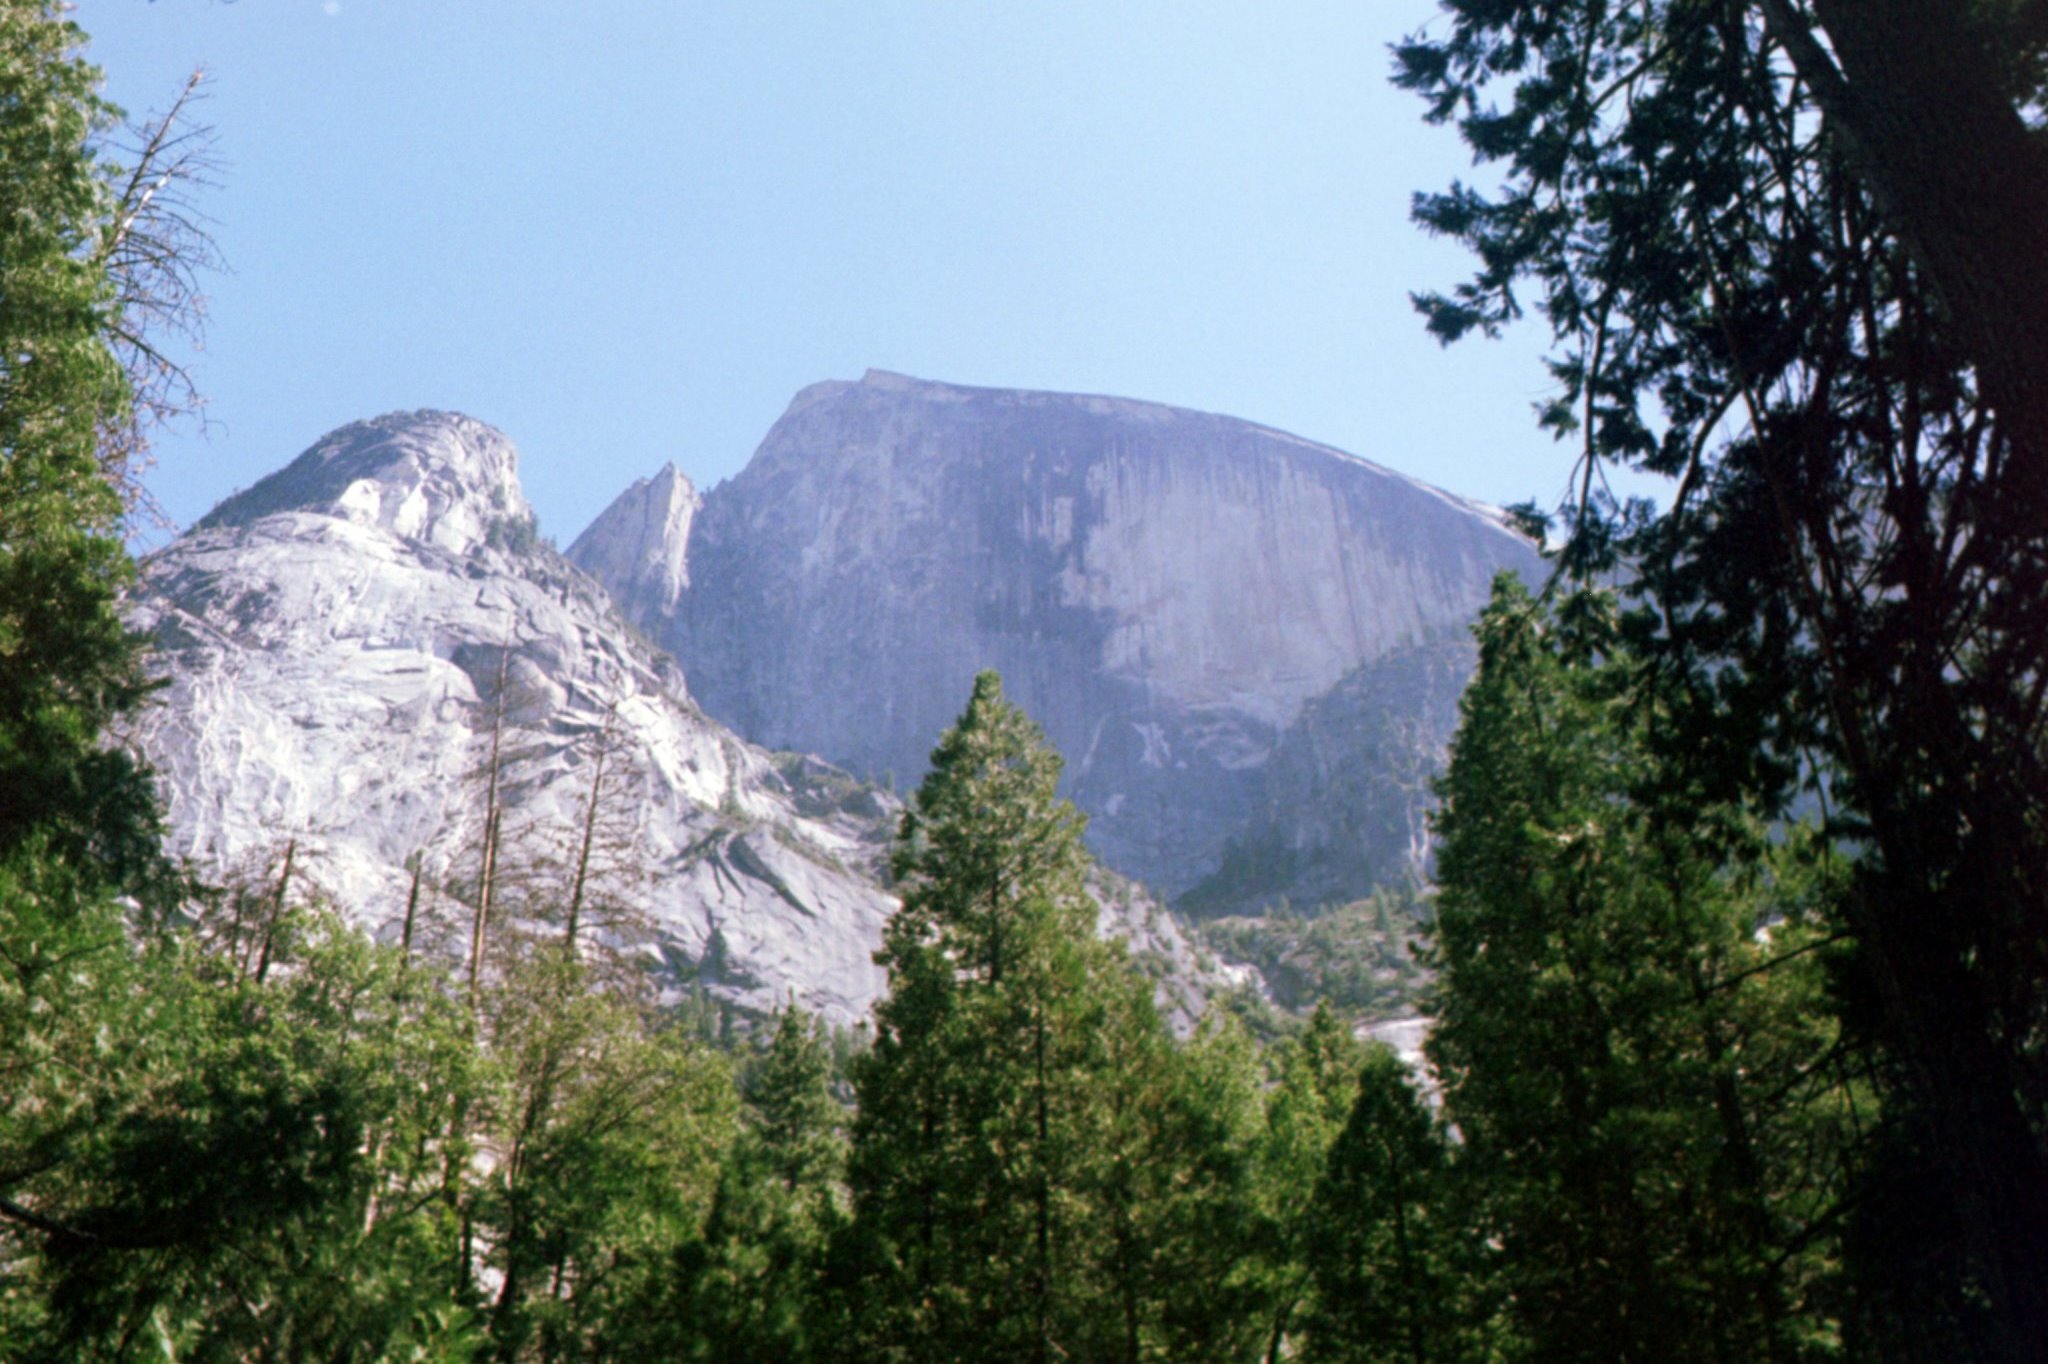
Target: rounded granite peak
point(1168, 591)
point(439, 478)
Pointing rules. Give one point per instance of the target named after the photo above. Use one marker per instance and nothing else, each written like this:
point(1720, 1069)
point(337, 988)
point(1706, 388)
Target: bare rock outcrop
point(333, 642)
point(1167, 592)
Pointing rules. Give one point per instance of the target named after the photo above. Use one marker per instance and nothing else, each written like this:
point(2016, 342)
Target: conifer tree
point(1394, 1270)
point(1181, 1201)
point(1317, 1086)
point(973, 1169)
point(78, 820)
point(606, 1134)
point(1630, 1033)
point(746, 1288)
point(1790, 257)
point(795, 1122)
point(68, 668)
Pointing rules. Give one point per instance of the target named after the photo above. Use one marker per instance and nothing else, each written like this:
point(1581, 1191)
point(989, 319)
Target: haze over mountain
point(333, 640)
point(1248, 647)
point(1176, 596)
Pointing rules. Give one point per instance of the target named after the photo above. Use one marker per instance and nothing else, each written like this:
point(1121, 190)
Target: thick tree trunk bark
point(1912, 89)
point(1914, 94)
point(1936, 1014)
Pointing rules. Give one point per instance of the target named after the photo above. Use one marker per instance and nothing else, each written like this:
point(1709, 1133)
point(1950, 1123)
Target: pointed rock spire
point(638, 547)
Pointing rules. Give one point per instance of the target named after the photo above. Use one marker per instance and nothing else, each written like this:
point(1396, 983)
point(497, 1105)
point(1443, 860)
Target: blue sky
point(627, 233)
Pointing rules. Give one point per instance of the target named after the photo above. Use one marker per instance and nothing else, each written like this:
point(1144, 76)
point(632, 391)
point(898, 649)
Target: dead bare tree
point(156, 248)
point(493, 812)
point(587, 843)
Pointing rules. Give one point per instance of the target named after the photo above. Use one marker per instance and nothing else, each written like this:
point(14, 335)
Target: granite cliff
point(1172, 594)
point(333, 641)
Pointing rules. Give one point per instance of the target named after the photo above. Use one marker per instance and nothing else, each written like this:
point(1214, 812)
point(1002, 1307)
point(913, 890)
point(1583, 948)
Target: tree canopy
point(1791, 256)
point(1630, 1030)
point(1739, 962)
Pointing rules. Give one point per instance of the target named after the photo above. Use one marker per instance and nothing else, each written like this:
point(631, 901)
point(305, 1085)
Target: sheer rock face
point(1163, 590)
point(332, 641)
point(638, 546)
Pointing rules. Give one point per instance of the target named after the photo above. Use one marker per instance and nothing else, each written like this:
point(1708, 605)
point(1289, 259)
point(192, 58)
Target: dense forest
point(1735, 945)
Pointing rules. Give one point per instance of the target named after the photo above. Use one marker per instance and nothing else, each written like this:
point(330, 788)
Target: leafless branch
point(157, 247)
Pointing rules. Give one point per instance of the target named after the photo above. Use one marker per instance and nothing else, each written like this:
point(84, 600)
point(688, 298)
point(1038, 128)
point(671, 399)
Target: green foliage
point(1394, 1264)
point(1181, 1234)
point(257, 1135)
point(1631, 1032)
point(796, 1121)
point(970, 1098)
point(67, 666)
point(1036, 1171)
point(1357, 957)
point(233, 1128)
point(244, 1136)
point(746, 1289)
point(320, 1158)
point(1315, 1082)
point(1792, 256)
point(516, 535)
point(606, 1134)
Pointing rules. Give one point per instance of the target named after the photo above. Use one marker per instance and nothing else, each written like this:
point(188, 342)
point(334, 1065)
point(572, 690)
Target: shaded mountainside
point(333, 641)
point(1170, 593)
point(1346, 796)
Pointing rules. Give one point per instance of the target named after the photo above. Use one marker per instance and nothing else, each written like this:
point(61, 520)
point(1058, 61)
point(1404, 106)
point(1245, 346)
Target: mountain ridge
point(333, 641)
point(1165, 589)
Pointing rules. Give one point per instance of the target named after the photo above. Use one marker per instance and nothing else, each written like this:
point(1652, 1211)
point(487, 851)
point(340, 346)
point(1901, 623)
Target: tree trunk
point(284, 882)
point(412, 905)
point(1044, 1194)
point(604, 744)
point(1912, 90)
point(1957, 1071)
point(480, 920)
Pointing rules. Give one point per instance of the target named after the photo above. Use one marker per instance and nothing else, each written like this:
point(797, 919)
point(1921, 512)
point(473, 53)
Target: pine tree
point(1317, 1085)
point(1181, 1207)
point(746, 1288)
point(795, 1122)
point(606, 1133)
point(1790, 257)
point(68, 668)
point(1630, 1032)
point(78, 821)
point(1395, 1273)
point(975, 1168)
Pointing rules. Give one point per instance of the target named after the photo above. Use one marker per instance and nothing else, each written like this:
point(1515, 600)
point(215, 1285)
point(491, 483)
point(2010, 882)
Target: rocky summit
point(1248, 646)
point(342, 643)
point(333, 641)
point(1201, 611)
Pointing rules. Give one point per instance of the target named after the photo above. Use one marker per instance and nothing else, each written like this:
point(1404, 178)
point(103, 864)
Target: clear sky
point(627, 231)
